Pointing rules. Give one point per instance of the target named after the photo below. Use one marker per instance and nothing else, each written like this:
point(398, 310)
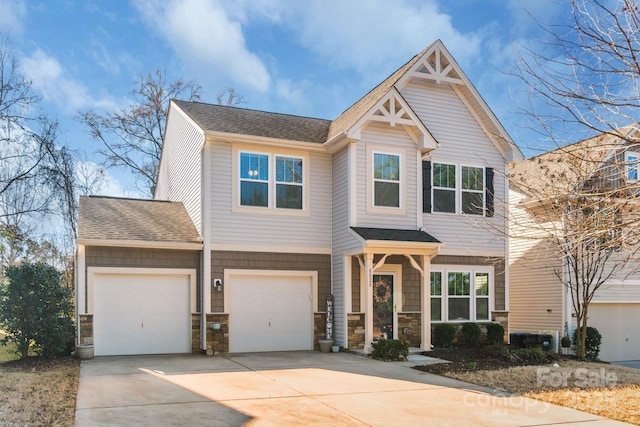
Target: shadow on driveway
point(295, 389)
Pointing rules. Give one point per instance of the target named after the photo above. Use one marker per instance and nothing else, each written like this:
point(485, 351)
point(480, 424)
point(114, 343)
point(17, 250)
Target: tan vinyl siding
point(266, 228)
point(462, 141)
point(533, 286)
point(342, 239)
point(180, 175)
point(383, 138)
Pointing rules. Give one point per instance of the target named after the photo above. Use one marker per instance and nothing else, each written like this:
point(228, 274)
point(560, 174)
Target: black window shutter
point(488, 173)
point(426, 186)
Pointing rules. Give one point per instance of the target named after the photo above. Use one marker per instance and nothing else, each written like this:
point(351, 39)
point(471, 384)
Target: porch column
point(368, 303)
point(426, 303)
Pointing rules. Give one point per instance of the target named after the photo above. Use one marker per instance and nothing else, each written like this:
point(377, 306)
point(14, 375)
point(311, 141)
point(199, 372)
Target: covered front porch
point(387, 287)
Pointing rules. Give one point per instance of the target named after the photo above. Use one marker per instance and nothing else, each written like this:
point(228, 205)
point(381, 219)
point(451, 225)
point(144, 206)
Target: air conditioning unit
point(555, 339)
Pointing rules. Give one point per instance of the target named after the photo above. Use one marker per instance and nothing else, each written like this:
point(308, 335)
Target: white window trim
point(444, 298)
point(458, 188)
point(271, 208)
point(628, 165)
point(386, 210)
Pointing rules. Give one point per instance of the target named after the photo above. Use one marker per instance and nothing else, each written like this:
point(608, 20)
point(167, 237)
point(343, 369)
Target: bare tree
point(132, 137)
point(230, 97)
point(579, 202)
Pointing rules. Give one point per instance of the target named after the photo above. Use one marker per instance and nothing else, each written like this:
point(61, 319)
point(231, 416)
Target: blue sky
point(312, 58)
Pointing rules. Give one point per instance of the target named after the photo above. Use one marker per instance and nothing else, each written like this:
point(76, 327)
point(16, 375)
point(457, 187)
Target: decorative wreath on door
point(381, 291)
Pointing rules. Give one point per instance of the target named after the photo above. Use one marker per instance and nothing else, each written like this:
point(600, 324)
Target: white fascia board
point(213, 136)
point(140, 244)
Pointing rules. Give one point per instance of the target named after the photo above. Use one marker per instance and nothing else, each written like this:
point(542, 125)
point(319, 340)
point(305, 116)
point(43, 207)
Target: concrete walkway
point(296, 389)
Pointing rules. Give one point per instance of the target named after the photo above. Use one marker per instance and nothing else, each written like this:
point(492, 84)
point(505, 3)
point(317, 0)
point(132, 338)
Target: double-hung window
point(472, 190)
point(444, 188)
point(436, 296)
point(458, 189)
point(632, 161)
point(386, 180)
point(288, 182)
point(460, 293)
point(254, 179)
point(271, 181)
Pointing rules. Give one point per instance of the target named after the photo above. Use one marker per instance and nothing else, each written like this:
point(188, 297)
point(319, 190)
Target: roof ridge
point(98, 196)
point(250, 109)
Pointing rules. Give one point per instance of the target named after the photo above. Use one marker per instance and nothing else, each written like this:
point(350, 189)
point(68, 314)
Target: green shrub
point(390, 350)
point(495, 333)
point(36, 310)
point(443, 335)
point(471, 333)
point(592, 344)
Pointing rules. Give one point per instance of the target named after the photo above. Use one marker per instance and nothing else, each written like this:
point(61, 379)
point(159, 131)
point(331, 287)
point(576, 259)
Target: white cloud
point(49, 80)
point(366, 35)
point(202, 33)
point(12, 14)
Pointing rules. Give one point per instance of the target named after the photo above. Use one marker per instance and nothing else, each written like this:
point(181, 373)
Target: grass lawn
point(37, 391)
point(598, 388)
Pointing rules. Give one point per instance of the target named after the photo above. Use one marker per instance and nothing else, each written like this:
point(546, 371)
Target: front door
point(383, 307)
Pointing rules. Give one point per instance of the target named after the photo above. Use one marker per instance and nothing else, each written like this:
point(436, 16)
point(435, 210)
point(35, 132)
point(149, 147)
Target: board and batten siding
point(462, 141)
point(533, 286)
point(262, 228)
point(386, 139)
point(342, 240)
point(180, 176)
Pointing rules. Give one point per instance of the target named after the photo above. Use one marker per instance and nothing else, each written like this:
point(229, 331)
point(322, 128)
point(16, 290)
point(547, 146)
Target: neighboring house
point(538, 301)
point(389, 208)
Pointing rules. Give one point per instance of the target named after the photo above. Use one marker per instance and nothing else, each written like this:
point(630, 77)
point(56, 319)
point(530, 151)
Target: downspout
point(205, 290)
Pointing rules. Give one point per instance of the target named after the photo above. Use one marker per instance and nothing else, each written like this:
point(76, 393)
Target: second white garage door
point(618, 325)
point(270, 313)
point(141, 314)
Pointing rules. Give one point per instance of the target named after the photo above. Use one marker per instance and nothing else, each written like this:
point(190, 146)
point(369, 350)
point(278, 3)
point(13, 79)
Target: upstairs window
point(472, 190)
point(632, 160)
point(444, 188)
point(451, 188)
point(271, 181)
point(386, 180)
point(254, 179)
point(288, 182)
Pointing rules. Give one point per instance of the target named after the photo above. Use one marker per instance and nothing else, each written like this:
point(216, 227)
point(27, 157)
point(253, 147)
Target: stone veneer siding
point(355, 329)
point(409, 328)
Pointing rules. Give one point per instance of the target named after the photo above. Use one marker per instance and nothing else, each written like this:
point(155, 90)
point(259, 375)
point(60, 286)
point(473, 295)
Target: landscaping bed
point(599, 388)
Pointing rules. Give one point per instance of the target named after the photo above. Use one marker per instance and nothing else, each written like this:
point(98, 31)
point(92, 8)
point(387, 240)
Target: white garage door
point(141, 314)
point(618, 325)
point(270, 313)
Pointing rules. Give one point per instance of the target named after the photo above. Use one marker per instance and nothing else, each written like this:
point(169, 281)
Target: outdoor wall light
point(217, 283)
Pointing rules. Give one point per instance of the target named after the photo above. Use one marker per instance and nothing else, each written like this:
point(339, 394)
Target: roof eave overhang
point(193, 246)
point(214, 136)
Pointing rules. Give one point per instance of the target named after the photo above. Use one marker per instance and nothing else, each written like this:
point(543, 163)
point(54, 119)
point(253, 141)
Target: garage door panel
point(617, 323)
point(141, 314)
point(270, 313)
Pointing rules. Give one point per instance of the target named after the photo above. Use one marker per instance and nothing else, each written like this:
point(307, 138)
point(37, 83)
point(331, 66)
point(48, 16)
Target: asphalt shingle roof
point(221, 118)
point(391, 234)
point(110, 218)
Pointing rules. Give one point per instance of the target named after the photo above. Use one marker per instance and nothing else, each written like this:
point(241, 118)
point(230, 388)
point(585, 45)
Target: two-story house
point(586, 175)
point(391, 208)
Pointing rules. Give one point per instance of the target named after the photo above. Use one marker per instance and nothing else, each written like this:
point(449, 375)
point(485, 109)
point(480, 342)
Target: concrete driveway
point(628, 363)
point(295, 389)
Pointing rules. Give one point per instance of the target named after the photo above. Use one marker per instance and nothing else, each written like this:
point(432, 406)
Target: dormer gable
point(394, 110)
